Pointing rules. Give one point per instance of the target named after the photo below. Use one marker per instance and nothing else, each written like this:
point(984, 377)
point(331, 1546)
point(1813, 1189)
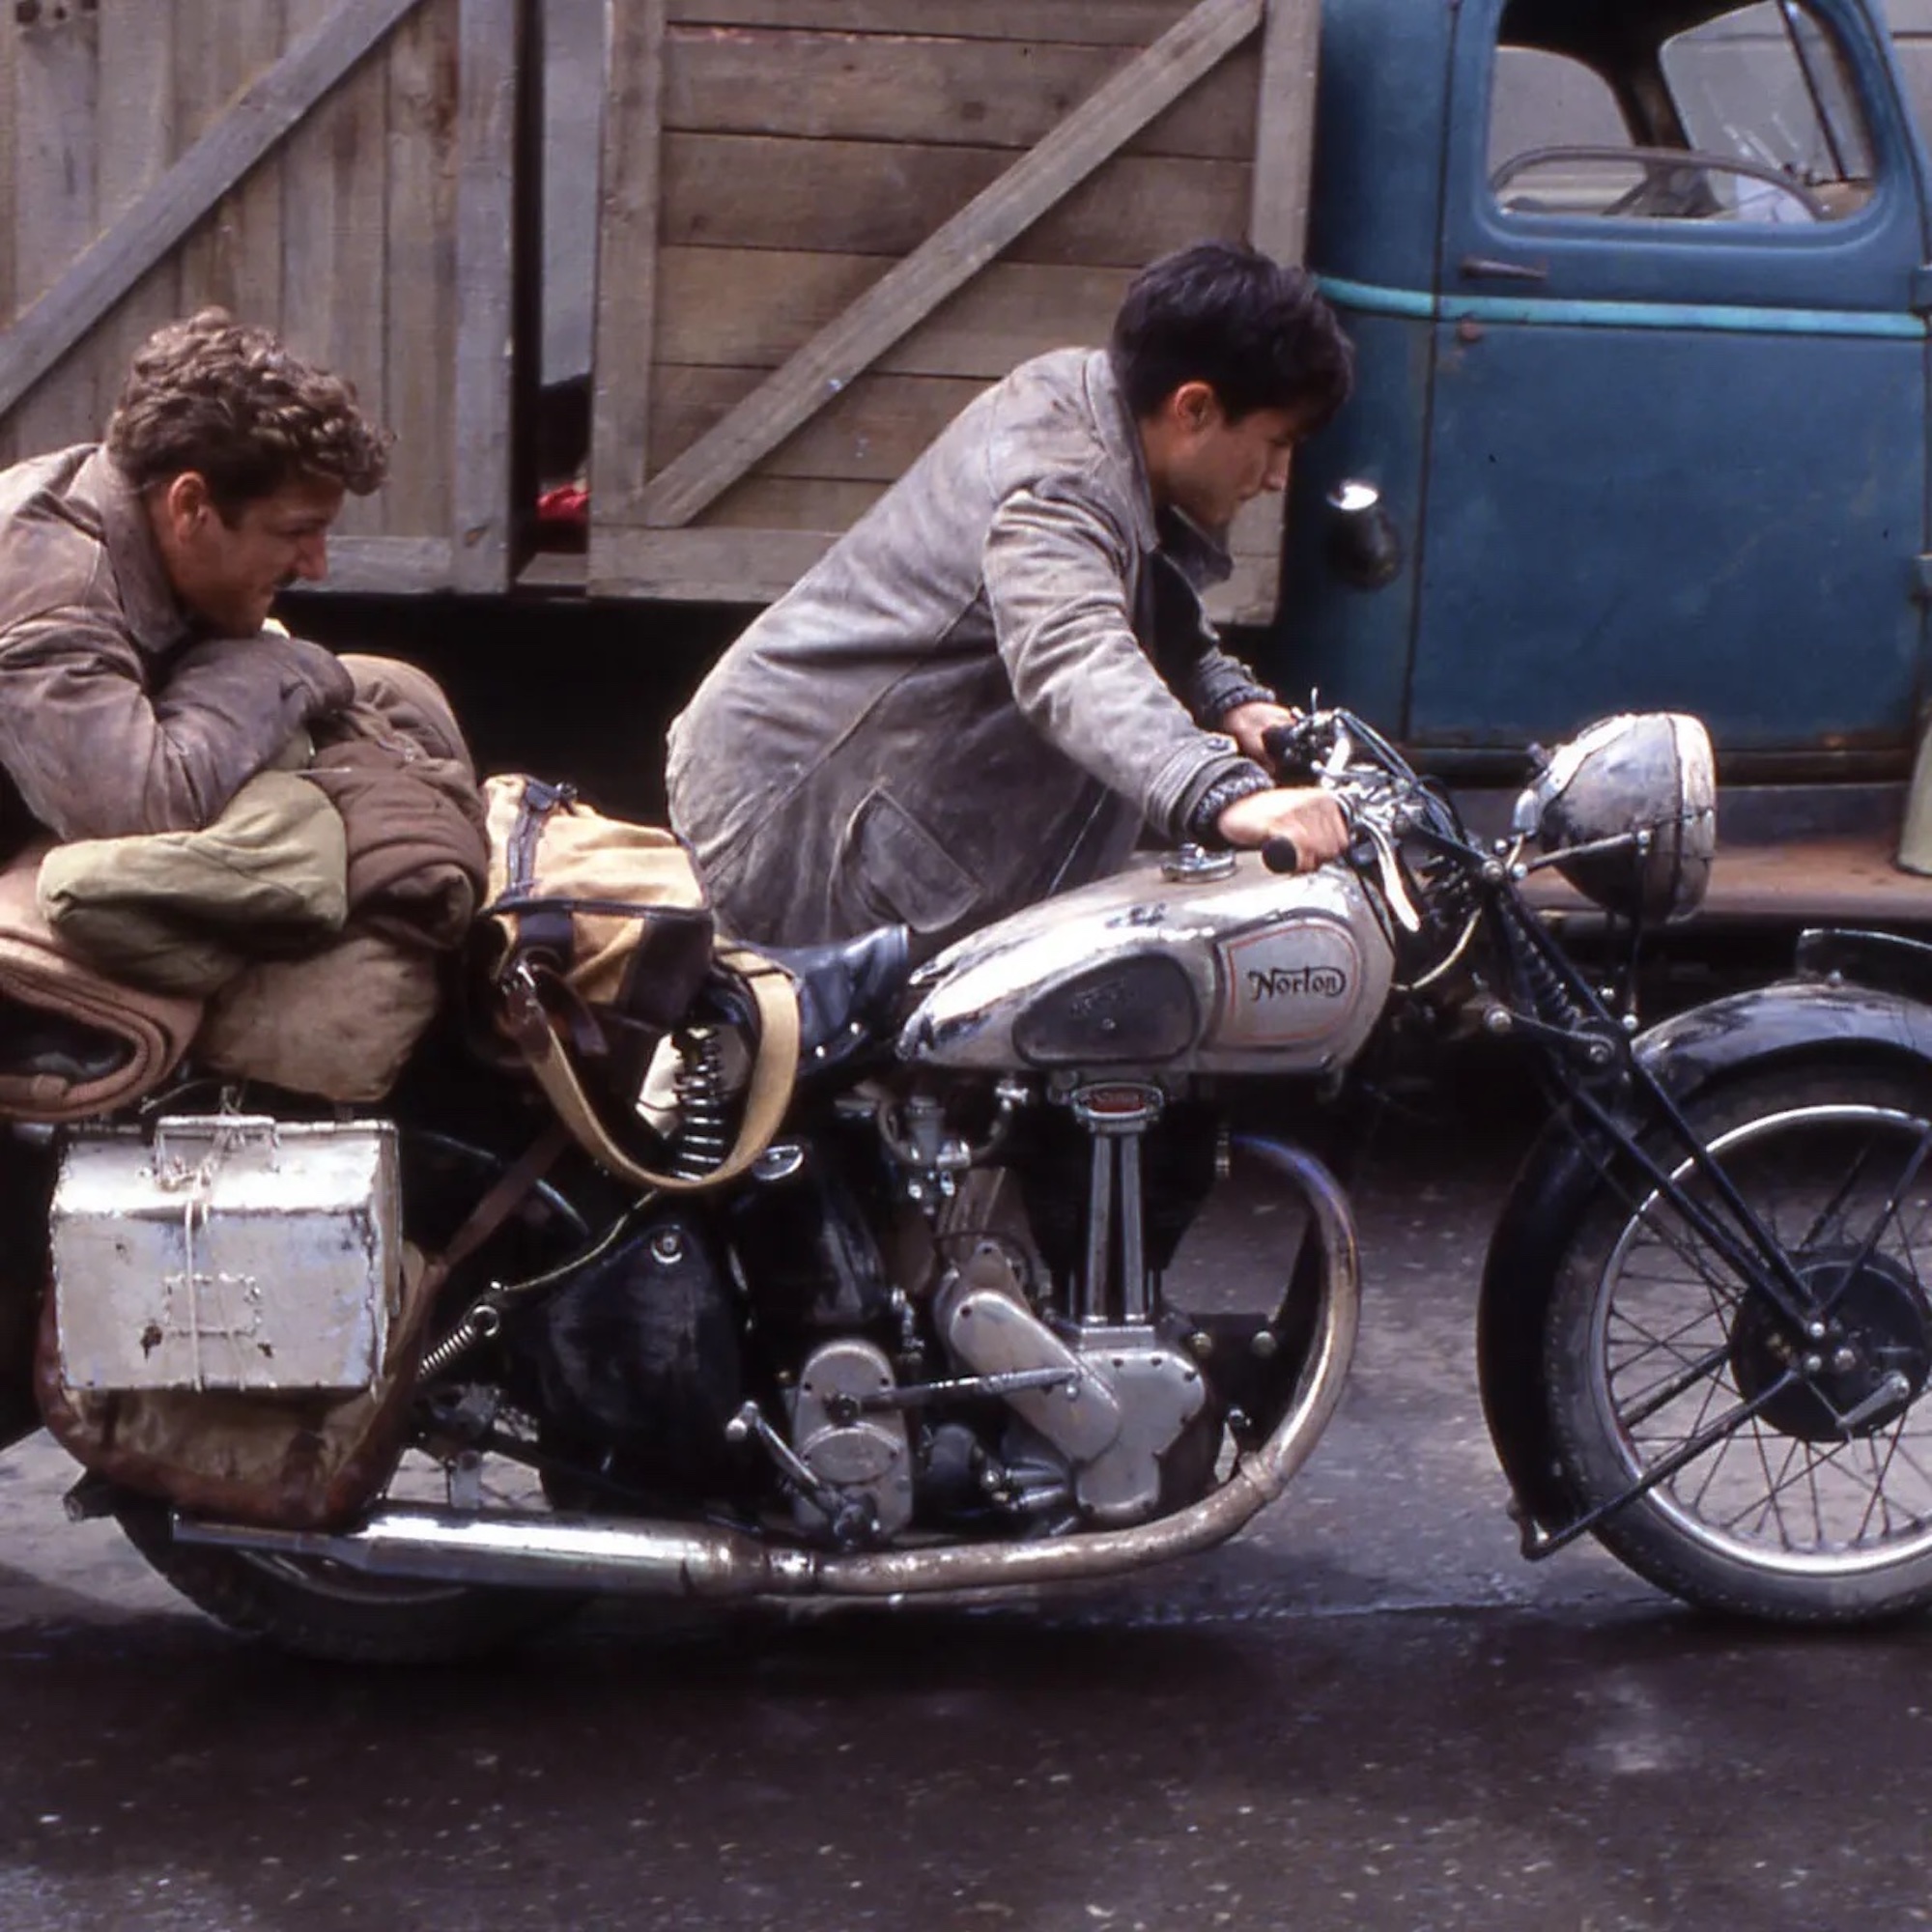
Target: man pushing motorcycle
point(1002, 674)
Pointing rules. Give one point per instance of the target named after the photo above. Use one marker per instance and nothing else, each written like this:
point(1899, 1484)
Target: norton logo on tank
point(1287, 983)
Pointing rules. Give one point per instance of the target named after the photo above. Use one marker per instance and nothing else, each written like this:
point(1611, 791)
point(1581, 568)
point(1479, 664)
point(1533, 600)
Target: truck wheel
point(1793, 1477)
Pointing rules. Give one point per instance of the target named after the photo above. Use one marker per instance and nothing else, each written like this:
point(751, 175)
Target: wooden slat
point(419, 269)
point(870, 433)
point(752, 309)
point(234, 257)
point(333, 286)
point(791, 503)
point(9, 134)
point(763, 560)
point(951, 256)
point(54, 111)
point(1285, 128)
point(859, 197)
point(627, 267)
point(140, 135)
point(1118, 23)
point(388, 564)
point(705, 566)
point(982, 94)
point(492, 44)
point(104, 271)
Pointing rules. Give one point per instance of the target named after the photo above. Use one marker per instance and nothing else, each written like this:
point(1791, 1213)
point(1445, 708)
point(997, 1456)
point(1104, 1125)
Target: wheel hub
point(1870, 1366)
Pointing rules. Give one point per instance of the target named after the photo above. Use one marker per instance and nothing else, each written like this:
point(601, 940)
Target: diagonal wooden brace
point(907, 294)
point(167, 210)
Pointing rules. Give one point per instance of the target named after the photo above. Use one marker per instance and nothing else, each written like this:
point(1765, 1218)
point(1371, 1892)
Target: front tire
point(1804, 1491)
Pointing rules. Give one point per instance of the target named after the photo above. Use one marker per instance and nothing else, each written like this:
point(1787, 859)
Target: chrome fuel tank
point(1239, 970)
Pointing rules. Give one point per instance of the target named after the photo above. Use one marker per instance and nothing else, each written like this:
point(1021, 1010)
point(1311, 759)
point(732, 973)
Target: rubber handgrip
point(1281, 855)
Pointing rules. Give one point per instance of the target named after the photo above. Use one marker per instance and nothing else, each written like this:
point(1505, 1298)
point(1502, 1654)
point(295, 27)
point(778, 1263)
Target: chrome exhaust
point(610, 1555)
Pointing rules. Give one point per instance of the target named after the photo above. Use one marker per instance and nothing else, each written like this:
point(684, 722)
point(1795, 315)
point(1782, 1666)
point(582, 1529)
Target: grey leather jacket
point(979, 696)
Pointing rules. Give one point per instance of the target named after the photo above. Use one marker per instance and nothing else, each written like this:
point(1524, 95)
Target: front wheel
point(1791, 1473)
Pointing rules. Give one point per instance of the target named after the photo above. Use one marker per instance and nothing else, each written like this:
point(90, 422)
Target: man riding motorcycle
point(998, 676)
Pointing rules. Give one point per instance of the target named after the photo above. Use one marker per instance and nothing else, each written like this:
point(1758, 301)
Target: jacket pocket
point(900, 870)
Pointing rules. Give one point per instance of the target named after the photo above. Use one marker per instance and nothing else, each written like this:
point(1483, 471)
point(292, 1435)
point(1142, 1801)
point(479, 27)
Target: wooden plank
point(1116, 23)
point(131, 245)
point(492, 37)
point(792, 504)
point(419, 270)
point(554, 570)
point(982, 94)
point(140, 135)
point(705, 566)
point(1285, 128)
point(910, 292)
point(752, 309)
point(627, 267)
point(387, 565)
point(334, 301)
point(859, 197)
point(870, 433)
point(55, 106)
point(759, 562)
point(9, 133)
point(234, 257)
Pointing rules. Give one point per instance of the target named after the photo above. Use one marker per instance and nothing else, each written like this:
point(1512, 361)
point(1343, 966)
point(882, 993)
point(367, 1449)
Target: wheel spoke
point(1689, 1359)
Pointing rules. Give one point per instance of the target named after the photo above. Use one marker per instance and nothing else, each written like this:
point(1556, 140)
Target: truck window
point(1912, 40)
point(1747, 116)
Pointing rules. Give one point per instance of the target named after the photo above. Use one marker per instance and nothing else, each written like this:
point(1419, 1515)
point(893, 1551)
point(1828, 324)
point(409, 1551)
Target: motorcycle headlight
point(1629, 806)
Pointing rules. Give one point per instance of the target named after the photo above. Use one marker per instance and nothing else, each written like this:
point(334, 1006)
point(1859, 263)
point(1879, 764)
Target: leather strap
point(496, 1207)
point(774, 1074)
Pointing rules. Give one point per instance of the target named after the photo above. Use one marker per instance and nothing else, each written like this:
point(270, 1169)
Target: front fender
point(1687, 1054)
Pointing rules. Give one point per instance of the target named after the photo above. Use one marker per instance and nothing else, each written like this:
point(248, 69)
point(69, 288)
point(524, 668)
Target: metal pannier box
point(228, 1253)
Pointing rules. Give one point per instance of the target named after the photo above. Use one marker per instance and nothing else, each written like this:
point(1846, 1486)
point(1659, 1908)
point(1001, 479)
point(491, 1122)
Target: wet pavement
point(1366, 1713)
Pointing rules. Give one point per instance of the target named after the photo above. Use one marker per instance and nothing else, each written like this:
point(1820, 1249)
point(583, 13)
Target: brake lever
point(1388, 867)
point(1370, 846)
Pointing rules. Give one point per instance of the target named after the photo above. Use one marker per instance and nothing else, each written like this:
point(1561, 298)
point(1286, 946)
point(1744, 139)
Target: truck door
point(1677, 448)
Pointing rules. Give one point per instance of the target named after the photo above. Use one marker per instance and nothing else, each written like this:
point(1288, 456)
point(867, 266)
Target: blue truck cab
point(1641, 293)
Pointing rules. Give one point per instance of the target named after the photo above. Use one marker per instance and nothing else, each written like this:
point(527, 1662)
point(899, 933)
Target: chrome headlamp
point(1627, 810)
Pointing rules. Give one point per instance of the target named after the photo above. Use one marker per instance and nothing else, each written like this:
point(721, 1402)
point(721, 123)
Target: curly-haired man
point(138, 689)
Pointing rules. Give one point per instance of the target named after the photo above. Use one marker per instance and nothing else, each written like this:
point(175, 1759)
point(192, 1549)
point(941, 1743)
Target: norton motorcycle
point(945, 1334)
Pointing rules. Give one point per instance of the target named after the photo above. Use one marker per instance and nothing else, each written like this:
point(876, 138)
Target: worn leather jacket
point(982, 693)
point(115, 716)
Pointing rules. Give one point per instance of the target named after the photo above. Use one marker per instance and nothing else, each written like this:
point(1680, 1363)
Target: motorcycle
point(933, 1339)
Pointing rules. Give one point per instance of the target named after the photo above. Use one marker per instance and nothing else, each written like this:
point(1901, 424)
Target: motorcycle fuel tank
point(1221, 968)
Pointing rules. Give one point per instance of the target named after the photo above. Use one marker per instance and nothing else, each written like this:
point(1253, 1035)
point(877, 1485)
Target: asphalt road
point(1365, 1713)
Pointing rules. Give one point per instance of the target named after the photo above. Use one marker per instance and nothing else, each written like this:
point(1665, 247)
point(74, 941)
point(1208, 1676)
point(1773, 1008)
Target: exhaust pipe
point(611, 1556)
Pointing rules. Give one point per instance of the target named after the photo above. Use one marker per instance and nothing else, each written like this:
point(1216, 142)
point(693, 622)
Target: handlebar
point(1281, 855)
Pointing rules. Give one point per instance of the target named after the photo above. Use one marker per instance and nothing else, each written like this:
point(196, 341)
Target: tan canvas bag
point(597, 941)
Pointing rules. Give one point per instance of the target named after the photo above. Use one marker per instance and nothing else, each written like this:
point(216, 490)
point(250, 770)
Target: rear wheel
point(1792, 1472)
point(318, 1608)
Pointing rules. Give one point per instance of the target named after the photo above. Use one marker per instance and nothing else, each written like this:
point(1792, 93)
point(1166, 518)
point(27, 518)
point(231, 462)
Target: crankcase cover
point(1249, 972)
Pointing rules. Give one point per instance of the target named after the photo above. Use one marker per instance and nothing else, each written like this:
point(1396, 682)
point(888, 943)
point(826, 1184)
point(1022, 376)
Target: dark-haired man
point(131, 572)
point(1001, 674)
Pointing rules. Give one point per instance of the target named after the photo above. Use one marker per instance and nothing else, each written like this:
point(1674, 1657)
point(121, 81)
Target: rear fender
point(1807, 1020)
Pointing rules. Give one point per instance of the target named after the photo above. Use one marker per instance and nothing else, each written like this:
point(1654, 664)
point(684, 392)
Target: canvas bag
point(597, 941)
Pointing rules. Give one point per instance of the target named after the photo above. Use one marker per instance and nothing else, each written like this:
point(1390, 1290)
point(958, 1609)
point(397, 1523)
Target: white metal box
point(228, 1252)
